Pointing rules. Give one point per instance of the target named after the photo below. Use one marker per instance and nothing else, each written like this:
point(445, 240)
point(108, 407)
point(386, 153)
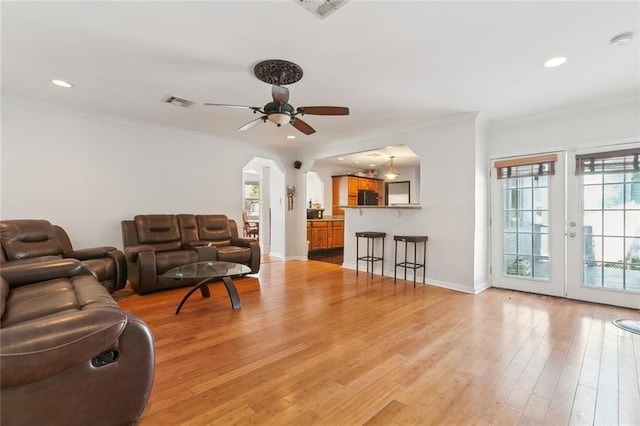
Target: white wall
point(615, 120)
point(87, 172)
point(447, 194)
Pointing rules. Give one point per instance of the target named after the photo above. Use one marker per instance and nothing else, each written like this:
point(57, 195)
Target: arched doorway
point(262, 183)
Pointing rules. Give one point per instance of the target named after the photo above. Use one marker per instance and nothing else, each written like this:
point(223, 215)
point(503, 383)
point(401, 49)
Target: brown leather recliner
point(68, 354)
point(222, 233)
point(33, 240)
point(153, 244)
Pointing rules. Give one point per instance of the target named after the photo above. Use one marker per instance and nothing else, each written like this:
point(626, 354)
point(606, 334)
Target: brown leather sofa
point(153, 244)
point(68, 354)
point(33, 240)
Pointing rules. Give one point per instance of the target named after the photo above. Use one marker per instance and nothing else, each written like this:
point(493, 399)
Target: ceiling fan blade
point(302, 126)
point(235, 106)
point(280, 94)
point(323, 110)
point(252, 123)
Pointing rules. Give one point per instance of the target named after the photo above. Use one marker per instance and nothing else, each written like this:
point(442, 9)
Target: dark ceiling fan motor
point(278, 73)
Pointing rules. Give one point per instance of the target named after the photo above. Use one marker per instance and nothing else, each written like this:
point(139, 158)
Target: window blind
point(624, 161)
point(538, 165)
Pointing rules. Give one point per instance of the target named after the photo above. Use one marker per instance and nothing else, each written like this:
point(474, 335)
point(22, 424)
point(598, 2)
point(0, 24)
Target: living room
point(88, 165)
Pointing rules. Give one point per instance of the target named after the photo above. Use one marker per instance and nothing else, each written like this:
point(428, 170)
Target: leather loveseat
point(154, 244)
point(33, 240)
point(68, 354)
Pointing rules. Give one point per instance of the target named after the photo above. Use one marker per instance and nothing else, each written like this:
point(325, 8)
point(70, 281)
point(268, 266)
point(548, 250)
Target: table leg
point(202, 286)
point(204, 289)
point(233, 292)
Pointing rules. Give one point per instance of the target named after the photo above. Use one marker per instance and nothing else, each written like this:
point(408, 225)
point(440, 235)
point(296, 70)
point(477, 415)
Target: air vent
point(174, 100)
point(321, 8)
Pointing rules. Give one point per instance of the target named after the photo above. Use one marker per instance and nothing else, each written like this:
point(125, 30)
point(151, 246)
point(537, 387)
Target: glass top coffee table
point(209, 272)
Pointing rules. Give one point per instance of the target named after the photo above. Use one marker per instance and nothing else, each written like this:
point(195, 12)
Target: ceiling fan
point(279, 111)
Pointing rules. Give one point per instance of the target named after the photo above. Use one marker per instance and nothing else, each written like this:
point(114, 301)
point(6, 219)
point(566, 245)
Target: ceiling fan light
point(279, 118)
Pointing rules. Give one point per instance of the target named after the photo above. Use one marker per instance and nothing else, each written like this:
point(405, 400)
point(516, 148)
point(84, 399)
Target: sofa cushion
point(234, 254)
point(28, 238)
point(50, 298)
point(160, 231)
point(172, 259)
point(214, 228)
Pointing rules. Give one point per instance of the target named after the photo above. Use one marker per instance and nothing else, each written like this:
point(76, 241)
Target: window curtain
point(538, 165)
point(624, 161)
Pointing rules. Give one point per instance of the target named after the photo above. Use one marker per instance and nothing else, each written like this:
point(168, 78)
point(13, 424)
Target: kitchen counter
point(327, 219)
point(392, 207)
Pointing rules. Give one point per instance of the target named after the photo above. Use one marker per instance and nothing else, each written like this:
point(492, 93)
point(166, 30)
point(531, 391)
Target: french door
point(527, 224)
point(560, 232)
point(603, 232)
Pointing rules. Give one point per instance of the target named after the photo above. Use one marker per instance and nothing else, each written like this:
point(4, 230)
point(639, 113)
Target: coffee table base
point(204, 290)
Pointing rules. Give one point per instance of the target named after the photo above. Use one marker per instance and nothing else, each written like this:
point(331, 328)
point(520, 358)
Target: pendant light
point(392, 173)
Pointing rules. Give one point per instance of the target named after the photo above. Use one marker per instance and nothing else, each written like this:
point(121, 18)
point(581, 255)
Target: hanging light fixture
point(392, 173)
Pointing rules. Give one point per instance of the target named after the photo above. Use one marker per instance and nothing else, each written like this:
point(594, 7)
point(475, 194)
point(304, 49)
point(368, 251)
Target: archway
point(263, 180)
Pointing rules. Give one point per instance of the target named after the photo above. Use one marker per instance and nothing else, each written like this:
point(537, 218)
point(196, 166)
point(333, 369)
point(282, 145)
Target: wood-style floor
point(317, 345)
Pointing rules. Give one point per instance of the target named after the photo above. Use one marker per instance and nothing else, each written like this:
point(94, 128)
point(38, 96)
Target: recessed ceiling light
point(340, 158)
point(372, 165)
point(555, 62)
point(621, 39)
point(62, 83)
point(291, 137)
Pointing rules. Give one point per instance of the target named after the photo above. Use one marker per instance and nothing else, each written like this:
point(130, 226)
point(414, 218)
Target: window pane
point(632, 251)
point(592, 179)
point(596, 245)
point(541, 244)
point(541, 267)
point(510, 200)
point(592, 197)
point(525, 182)
point(592, 274)
point(613, 249)
point(541, 198)
point(614, 223)
point(543, 181)
point(613, 196)
point(526, 201)
point(593, 222)
point(632, 193)
point(632, 223)
point(510, 221)
point(632, 277)
point(613, 276)
point(614, 178)
point(525, 222)
point(510, 243)
point(525, 243)
point(541, 219)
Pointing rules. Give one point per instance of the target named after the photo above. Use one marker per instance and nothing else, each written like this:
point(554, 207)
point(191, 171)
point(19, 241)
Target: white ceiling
point(393, 63)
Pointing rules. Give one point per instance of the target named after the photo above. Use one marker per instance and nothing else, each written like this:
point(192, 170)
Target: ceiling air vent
point(174, 100)
point(321, 8)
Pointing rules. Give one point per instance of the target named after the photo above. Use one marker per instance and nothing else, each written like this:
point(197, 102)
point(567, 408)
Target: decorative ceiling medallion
point(278, 72)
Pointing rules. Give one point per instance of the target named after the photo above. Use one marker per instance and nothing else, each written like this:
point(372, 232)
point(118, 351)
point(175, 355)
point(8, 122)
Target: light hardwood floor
point(315, 345)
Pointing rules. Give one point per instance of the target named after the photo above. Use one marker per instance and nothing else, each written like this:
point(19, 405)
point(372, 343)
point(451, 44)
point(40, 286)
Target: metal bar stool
point(370, 256)
point(415, 239)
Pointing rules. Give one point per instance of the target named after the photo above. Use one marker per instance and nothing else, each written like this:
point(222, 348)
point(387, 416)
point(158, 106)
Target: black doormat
point(331, 256)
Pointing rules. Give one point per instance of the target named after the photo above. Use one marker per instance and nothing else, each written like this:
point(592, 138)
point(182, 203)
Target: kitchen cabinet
point(325, 234)
point(345, 191)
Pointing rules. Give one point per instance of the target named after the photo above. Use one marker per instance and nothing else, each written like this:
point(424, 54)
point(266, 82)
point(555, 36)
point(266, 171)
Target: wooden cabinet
point(345, 191)
point(325, 234)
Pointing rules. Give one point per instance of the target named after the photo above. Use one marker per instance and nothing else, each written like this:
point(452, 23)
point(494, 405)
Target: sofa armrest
point(90, 253)
point(131, 252)
point(244, 242)
point(254, 245)
point(29, 273)
point(42, 348)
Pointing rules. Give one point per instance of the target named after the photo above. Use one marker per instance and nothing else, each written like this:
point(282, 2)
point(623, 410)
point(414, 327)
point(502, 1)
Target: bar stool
point(406, 239)
point(370, 257)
